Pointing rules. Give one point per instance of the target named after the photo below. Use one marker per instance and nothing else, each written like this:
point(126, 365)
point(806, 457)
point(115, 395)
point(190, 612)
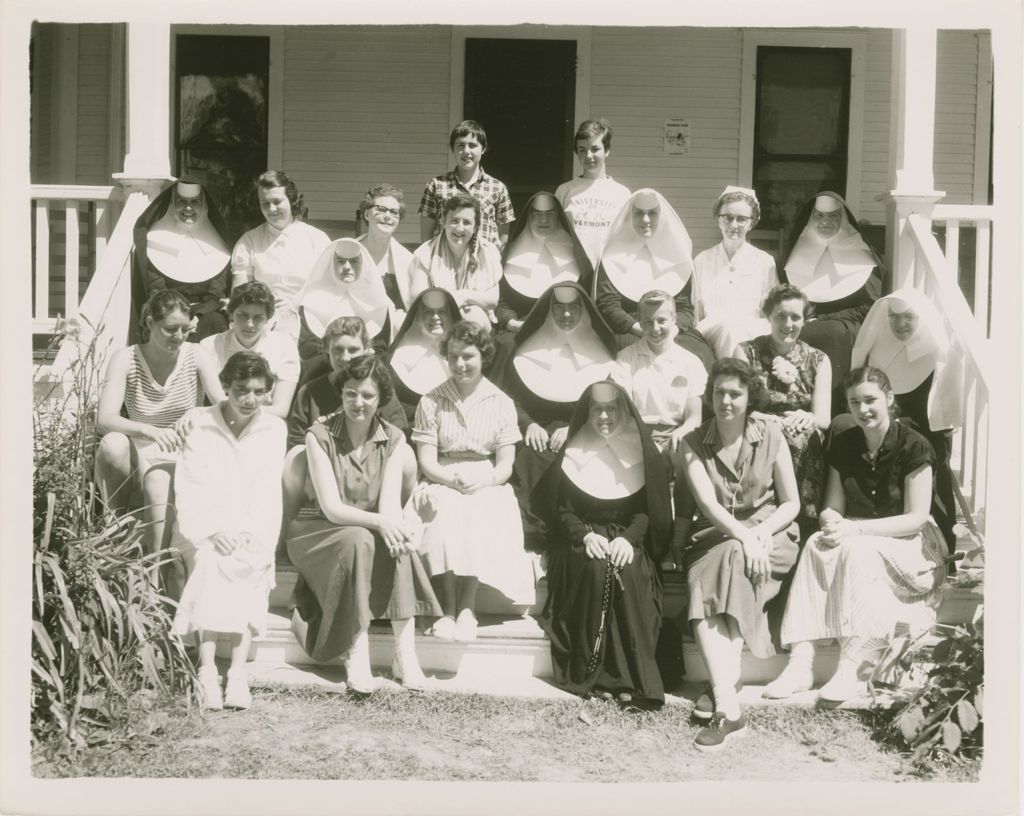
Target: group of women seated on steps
point(406, 428)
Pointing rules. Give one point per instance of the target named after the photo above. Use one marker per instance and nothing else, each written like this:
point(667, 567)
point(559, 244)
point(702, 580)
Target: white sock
point(727, 702)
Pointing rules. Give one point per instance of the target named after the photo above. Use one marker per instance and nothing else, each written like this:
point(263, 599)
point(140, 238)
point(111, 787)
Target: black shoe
point(720, 731)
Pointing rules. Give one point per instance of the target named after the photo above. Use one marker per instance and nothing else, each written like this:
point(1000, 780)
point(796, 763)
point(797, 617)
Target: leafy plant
point(101, 629)
point(944, 715)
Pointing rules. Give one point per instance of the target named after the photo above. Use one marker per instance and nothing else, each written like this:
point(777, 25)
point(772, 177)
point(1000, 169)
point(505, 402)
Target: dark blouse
point(621, 313)
point(874, 489)
point(320, 397)
point(203, 297)
point(530, 407)
point(579, 511)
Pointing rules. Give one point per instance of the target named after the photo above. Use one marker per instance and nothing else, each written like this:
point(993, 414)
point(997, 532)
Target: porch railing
point(934, 273)
point(961, 223)
point(72, 226)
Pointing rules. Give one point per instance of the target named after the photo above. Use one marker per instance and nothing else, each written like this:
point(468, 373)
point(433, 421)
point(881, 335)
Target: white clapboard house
point(899, 121)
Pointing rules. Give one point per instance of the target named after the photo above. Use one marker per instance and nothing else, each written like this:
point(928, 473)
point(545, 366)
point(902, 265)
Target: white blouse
point(224, 484)
point(283, 260)
point(725, 289)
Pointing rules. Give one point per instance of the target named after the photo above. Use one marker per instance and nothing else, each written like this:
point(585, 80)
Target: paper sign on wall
point(677, 137)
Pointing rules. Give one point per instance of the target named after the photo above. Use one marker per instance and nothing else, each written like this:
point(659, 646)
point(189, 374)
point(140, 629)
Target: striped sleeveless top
point(162, 405)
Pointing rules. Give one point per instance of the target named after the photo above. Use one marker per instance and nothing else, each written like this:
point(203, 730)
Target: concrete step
point(491, 602)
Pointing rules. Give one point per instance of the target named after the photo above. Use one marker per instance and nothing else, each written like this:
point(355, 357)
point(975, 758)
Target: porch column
point(147, 163)
point(149, 102)
point(911, 145)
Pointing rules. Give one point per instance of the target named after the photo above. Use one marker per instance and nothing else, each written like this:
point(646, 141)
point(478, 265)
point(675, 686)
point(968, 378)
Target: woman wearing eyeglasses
point(732, 279)
point(380, 212)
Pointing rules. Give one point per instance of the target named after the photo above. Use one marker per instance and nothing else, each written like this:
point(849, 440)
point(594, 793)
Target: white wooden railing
point(103, 313)
point(980, 217)
point(934, 273)
point(48, 201)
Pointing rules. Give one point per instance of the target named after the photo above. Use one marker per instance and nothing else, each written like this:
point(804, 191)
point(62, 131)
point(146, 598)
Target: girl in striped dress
point(157, 382)
point(466, 433)
point(877, 562)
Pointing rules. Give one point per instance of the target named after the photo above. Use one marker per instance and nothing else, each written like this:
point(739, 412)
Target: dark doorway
point(523, 92)
point(801, 129)
point(220, 138)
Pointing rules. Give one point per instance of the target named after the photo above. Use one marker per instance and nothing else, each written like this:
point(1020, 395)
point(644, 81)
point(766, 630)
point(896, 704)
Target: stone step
point(491, 602)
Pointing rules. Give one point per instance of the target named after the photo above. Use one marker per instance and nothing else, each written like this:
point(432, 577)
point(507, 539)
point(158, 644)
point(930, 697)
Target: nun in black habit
point(564, 345)
point(415, 358)
point(606, 503)
point(542, 250)
point(829, 260)
point(181, 243)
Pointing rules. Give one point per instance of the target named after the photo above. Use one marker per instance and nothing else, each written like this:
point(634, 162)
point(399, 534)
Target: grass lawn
point(312, 733)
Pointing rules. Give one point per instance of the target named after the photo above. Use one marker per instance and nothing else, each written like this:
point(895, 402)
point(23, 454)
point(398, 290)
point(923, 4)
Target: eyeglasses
point(739, 220)
point(350, 395)
point(377, 208)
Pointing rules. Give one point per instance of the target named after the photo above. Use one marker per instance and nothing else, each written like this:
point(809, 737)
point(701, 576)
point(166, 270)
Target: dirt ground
point(316, 734)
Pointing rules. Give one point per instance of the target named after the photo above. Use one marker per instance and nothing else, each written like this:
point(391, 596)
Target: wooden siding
point(955, 115)
point(365, 105)
point(642, 76)
point(874, 174)
point(93, 166)
point(42, 74)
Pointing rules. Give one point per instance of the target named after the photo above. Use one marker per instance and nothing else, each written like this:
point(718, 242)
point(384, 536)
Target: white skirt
point(477, 534)
point(225, 593)
point(867, 586)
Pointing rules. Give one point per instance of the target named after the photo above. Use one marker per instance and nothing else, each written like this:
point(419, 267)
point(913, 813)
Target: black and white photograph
point(560, 408)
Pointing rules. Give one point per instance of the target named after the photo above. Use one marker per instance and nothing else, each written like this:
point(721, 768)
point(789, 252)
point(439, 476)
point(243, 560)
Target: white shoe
point(236, 691)
point(844, 685)
point(209, 689)
point(466, 626)
point(408, 673)
point(444, 628)
point(796, 677)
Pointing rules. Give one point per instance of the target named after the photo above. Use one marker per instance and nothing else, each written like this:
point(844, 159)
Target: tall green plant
point(101, 629)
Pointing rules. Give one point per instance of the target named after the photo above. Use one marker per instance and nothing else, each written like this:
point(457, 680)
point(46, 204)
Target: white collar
point(187, 254)
point(323, 298)
point(828, 269)
point(606, 467)
point(534, 264)
point(636, 265)
point(558, 366)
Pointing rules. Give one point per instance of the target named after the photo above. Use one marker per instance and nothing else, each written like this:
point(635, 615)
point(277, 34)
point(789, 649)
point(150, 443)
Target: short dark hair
point(161, 304)
point(246, 365)
point(348, 326)
point(461, 201)
point(737, 195)
point(255, 293)
point(379, 191)
point(864, 374)
point(784, 291)
point(270, 179)
point(371, 366)
point(471, 334)
point(742, 371)
point(655, 299)
point(468, 127)
point(592, 128)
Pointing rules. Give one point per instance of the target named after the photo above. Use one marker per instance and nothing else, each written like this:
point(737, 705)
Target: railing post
point(71, 258)
point(911, 146)
point(41, 288)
